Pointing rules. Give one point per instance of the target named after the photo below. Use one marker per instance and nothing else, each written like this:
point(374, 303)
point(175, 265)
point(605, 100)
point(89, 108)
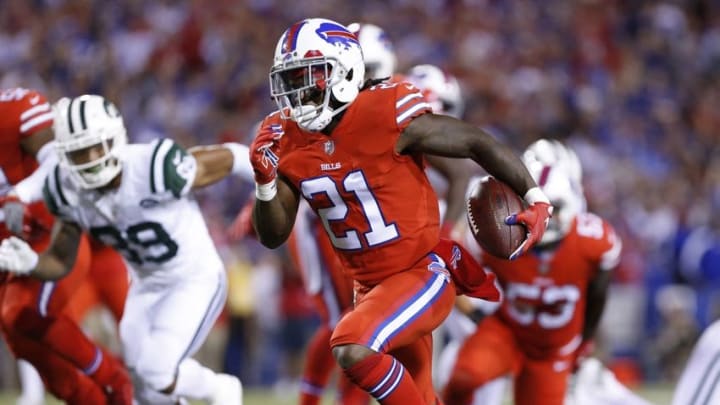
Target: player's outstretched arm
point(16, 255)
point(214, 162)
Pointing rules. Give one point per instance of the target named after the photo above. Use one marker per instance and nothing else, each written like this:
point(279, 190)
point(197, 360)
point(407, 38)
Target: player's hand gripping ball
point(489, 204)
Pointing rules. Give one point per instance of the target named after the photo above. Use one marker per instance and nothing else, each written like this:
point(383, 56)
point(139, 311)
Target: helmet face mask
point(318, 71)
point(89, 131)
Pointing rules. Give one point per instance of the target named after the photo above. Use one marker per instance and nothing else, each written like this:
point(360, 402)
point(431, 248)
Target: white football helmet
point(440, 88)
point(317, 72)
point(81, 123)
point(557, 171)
point(555, 152)
point(380, 59)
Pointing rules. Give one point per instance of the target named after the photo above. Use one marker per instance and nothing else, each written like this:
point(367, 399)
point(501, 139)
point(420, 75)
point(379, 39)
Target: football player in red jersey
point(33, 316)
point(553, 296)
point(312, 252)
point(354, 151)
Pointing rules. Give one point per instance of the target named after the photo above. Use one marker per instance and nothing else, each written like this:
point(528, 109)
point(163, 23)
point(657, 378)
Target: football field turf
point(658, 395)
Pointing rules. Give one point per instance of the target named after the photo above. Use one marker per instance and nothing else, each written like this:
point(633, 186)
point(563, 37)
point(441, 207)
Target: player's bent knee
point(348, 355)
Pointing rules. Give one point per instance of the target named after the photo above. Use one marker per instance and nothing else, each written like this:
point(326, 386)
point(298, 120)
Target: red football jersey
point(545, 294)
point(22, 113)
point(376, 205)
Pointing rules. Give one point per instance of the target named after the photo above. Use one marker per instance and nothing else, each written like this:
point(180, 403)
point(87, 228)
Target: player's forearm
point(60, 258)
point(51, 267)
point(214, 162)
point(596, 299)
point(500, 162)
point(272, 222)
point(274, 218)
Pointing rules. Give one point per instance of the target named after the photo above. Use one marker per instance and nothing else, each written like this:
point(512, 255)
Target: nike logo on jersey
point(330, 166)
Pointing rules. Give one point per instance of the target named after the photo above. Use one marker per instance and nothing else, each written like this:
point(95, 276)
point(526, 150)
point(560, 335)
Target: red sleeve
point(34, 113)
point(599, 240)
point(409, 104)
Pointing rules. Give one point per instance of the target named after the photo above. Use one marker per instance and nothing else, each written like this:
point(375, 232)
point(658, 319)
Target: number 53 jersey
point(545, 294)
point(151, 218)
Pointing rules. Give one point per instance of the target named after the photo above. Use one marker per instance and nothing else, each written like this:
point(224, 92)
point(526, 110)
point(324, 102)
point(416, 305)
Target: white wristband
point(535, 195)
point(241, 160)
point(266, 192)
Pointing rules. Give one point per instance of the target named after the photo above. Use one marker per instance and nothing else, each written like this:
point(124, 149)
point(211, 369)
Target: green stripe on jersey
point(152, 165)
point(58, 188)
point(49, 199)
point(172, 180)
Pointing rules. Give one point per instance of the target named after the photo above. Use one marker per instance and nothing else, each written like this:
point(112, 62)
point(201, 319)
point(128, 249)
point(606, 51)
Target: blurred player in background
point(700, 380)
point(553, 296)
point(378, 51)
point(34, 314)
point(354, 150)
point(137, 199)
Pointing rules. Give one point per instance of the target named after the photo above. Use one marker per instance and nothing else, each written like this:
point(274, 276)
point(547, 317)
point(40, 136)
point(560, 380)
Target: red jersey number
point(551, 306)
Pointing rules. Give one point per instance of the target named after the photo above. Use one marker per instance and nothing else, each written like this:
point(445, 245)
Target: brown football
point(489, 204)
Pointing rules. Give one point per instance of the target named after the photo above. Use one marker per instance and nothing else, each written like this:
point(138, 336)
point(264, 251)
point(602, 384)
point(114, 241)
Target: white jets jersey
point(151, 218)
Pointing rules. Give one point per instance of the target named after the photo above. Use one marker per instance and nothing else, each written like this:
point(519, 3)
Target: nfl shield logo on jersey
point(329, 147)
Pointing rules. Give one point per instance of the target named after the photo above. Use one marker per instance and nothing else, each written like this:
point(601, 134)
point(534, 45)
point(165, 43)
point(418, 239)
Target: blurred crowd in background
point(633, 86)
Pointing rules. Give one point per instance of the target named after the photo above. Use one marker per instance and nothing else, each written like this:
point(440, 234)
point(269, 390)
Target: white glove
point(16, 256)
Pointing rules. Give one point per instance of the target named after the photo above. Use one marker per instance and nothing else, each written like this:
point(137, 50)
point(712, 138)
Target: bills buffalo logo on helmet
point(336, 34)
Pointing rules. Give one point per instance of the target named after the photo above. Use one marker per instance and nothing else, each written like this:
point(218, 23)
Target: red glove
point(467, 274)
point(242, 226)
point(263, 153)
point(535, 218)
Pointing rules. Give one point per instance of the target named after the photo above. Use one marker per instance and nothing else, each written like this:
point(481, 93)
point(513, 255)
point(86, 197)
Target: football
point(489, 203)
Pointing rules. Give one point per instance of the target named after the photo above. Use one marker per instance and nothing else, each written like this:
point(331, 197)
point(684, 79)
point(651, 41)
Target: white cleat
point(229, 391)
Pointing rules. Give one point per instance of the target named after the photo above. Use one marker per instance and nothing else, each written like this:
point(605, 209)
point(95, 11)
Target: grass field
point(658, 395)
